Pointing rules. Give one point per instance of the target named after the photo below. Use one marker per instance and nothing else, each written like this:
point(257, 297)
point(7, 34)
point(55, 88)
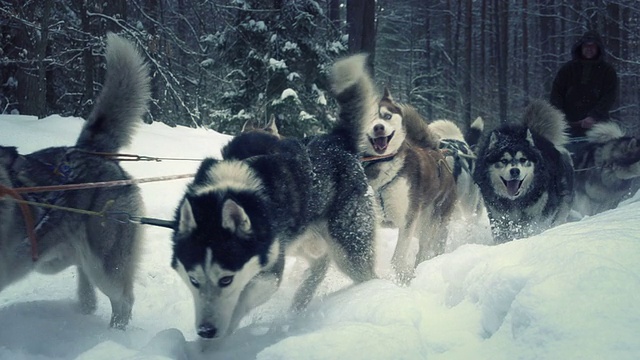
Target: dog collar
point(370, 160)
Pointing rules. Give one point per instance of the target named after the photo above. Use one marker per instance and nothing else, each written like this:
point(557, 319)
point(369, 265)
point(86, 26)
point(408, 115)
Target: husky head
point(615, 150)
point(512, 158)
point(385, 133)
point(222, 241)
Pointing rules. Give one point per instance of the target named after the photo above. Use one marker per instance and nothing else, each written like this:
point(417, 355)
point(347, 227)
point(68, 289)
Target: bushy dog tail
point(356, 94)
point(546, 121)
point(122, 102)
point(446, 129)
point(604, 132)
point(473, 135)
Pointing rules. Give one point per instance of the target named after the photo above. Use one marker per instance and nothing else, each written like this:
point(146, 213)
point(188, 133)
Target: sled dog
point(525, 174)
point(105, 253)
point(412, 183)
point(461, 160)
point(266, 198)
point(607, 169)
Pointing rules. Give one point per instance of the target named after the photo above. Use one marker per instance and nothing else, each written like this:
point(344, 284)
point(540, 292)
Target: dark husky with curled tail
point(525, 174)
point(105, 253)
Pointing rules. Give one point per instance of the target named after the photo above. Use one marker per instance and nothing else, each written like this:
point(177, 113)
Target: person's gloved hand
point(588, 122)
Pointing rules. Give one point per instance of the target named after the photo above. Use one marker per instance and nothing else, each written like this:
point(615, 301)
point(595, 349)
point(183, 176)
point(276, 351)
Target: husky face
point(512, 175)
point(218, 251)
point(385, 133)
point(624, 155)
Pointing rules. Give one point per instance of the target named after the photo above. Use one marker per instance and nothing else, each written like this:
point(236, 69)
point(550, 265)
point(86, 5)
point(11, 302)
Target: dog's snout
point(515, 172)
point(379, 128)
point(207, 331)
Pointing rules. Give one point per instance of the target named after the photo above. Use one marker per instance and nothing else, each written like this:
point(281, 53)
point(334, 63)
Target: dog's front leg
point(399, 261)
point(257, 292)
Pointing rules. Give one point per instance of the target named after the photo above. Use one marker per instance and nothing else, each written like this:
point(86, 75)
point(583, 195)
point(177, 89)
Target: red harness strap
point(28, 219)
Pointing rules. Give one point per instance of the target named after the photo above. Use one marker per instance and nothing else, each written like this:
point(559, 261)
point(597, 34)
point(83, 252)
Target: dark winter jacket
point(584, 87)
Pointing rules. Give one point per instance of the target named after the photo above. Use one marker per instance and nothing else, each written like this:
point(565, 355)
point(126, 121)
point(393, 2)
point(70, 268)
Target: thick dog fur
point(413, 185)
point(268, 196)
point(526, 175)
point(462, 161)
point(105, 253)
point(607, 169)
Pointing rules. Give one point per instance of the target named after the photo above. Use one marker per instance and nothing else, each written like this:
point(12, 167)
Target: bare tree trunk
point(612, 32)
point(43, 42)
point(467, 55)
point(503, 51)
point(525, 49)
point(334, 12)
point(361, 27)
point(87, 58)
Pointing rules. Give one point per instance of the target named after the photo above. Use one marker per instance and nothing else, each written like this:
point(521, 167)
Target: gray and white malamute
point(105, 253)
point(526, 175)
point(412, 183)
point(607, 169)
point(266, 197)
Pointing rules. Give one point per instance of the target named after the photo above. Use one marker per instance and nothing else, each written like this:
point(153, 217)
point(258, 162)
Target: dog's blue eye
point(523, 160)
point(194, 282)
point(225, 281)
point(386, 116)
point(504, 161)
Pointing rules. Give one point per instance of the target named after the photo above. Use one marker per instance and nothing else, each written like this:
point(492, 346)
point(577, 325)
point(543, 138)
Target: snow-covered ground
point(572, 292)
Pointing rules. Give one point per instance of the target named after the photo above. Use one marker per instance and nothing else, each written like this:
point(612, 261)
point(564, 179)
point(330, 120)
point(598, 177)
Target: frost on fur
point(547, 121)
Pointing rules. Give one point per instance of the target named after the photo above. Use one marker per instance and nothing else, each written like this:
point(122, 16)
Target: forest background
point(218, 63)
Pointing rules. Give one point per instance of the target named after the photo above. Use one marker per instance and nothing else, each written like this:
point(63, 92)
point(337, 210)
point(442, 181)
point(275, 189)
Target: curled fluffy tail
point(546, 121)
point(122, 102)
point(603, 132)
point(446, 129)
point(356, 94)
point(473, 135)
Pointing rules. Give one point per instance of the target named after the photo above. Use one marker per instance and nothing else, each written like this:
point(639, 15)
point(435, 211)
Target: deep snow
point(572, 292)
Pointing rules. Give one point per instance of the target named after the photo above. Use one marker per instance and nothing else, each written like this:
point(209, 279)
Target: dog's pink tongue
point(380, 143)
point(513, 186)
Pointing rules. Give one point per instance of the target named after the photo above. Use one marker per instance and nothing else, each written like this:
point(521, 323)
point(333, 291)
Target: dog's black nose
point(379, 128)
point(515, 172)
point(207, 331)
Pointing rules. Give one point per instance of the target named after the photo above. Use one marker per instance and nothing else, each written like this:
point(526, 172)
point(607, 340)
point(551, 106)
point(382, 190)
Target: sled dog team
point(321, 198)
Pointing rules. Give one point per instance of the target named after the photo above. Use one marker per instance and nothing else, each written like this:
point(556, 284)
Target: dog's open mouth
point(380, 143)
point(513, 186)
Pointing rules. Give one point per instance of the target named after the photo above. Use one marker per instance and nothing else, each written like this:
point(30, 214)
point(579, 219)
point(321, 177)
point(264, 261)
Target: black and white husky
point(105, 253)
point(525, 174)
point(607, 169)
point(267, 197)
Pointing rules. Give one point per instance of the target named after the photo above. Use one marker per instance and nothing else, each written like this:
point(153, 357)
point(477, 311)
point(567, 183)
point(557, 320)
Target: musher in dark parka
point(585, 88)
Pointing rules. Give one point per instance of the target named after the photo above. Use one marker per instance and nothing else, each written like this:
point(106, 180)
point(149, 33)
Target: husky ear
point(271, 126)
point(186, 223)
point(235, 219)
point(387, 94)
point(248, 126)
point(530, 138)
